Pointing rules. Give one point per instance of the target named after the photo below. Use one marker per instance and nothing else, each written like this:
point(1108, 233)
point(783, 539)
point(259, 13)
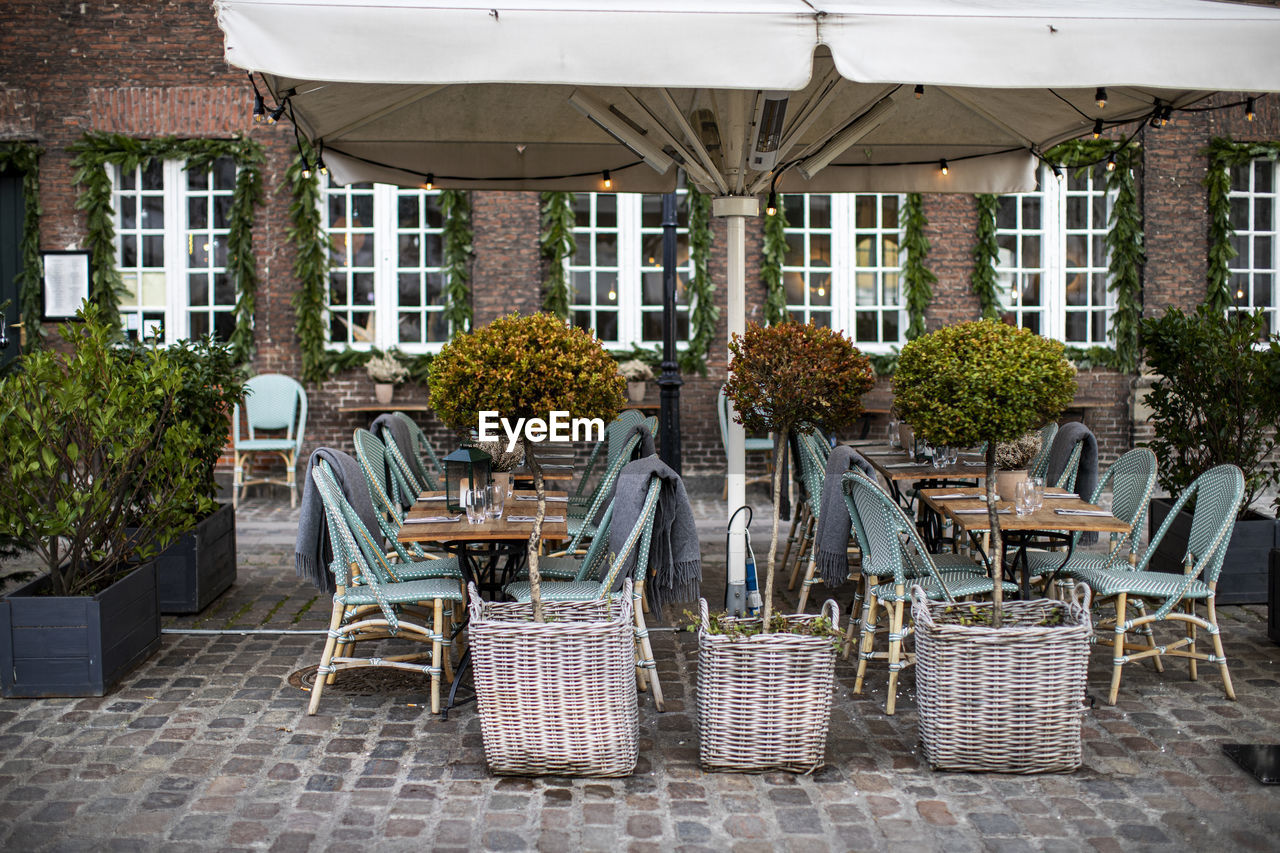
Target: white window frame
point(845, 269)
point(1052, 232)
point(630, 269)
point(1247, 267)
point(176, 193)
point(386, 291)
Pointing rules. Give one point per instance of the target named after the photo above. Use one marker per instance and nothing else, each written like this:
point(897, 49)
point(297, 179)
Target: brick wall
point(148, 69)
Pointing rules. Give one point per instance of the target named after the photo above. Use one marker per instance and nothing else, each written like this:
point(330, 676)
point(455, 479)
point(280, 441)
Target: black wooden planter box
point(1244, 570)
point(198, 566)
point(77, 645)
point(1273, 596)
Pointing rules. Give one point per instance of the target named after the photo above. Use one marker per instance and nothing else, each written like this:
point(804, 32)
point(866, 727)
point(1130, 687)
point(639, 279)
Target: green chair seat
point(1107, 582)
point(960, 586)
point(567, 591)
point(266, 444)
point(404, 592)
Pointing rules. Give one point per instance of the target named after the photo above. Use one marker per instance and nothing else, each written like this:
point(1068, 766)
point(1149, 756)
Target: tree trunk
point(535, 538)
point(779, 447)
point(997, 544)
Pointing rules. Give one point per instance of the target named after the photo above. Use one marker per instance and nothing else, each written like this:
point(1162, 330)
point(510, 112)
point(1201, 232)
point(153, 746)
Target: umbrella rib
point(691, 164)
point(720, 183)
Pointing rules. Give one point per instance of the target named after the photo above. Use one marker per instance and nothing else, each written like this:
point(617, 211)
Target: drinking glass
point(1037, 484)
point(941, 454)
point(1024, 497)
point(473, 502)
point(494, 495)
point(953, 455)
point(893, 432)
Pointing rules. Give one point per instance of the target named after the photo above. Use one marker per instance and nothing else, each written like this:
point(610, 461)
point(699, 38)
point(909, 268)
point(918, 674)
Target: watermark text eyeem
point(558, 427)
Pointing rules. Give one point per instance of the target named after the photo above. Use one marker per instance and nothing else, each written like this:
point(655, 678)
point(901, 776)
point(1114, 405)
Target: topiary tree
point(525, 367)
point(983, 381)
point(793, 376)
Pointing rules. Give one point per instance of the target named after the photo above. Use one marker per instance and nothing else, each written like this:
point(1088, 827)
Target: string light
point(1097, 128)
point(1100, 97)
point(1249, 114)
point(942, 164)
point(306, 167)
point(1111, 162)
point(608, 181)
point(320, 166)
point(275, 114)
point(1057, 171)
point(771, 208)
point(259, 108)
point(1239, 293)
point(919, 90)
point(431, 181)
point(1166, 115)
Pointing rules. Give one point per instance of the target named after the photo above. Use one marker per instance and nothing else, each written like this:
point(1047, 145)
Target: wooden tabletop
point(492, 529)
point(893, 464)
point(1045, 518)
point(385, 407)
point(551, 472)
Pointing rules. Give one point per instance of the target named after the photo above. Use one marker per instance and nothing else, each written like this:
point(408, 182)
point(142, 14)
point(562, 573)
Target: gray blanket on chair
point(1087, 474)
point(312, 550)
point(831, 534)
point(675, 562)
point(404, 443)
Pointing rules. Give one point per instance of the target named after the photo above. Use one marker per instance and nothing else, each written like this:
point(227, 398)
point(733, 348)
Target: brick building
point(146, 70)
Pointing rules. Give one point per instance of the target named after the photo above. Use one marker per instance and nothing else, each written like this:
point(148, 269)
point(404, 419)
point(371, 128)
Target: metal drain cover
point(365, 681)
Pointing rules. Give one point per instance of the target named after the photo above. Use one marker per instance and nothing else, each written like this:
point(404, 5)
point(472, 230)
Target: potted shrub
point(527, 367)
point(88, 437)
point(1215, 399)
point(782, 377)
point(962, 385)
point(636, 373)
point(387, 372)
point(1013, 462)
point(200, 564)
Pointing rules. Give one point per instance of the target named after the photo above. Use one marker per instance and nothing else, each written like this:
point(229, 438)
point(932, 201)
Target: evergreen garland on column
point(775, 250)
point(703, 311)
point(458, 249)
point(986, 252)
point(557, 244)
point(1224, 155)
point(917, 278)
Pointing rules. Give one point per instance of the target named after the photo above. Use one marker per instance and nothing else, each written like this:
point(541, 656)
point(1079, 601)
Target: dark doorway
point(11, 214)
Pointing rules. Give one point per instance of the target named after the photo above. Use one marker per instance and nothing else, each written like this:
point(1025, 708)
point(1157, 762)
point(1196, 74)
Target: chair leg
point(1216, 634)
point(436, 648)
point(868, 641)
point(861, 585)
point(791, 534)
point(646, 647)
point(1189, 606)
point(236, 478)
point(895, 653)
point(806, 544)
point(1145, 630)
point(291, 474)
point(326, 657)
point(806, 584)
point(1117, 646)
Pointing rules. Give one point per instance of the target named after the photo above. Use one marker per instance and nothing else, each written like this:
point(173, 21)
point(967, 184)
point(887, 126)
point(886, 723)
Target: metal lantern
point(464, 468)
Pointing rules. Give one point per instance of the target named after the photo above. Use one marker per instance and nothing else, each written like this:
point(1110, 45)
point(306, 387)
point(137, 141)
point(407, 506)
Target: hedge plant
point(525, 367)
point(983, 381)
point(1216, 399)
point(793, 376)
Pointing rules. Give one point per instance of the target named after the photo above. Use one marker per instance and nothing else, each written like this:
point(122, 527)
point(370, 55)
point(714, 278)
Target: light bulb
point(608, 181)
point(1111, 162)
point(1100, 97)
point(431, 182)
point(942, 164)
point(771, 209)
point(1097, 128)
point(1249, 114)
point(919, 91)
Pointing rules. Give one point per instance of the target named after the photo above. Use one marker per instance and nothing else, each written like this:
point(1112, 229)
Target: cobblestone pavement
point(208, 746)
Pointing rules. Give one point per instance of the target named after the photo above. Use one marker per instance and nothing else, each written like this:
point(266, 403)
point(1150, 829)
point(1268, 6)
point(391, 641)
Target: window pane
point(224, 174)
point(153, 211)
point(1077, 292)
point(607, 325)
point(795, 255)
point(865, 289)
point(224, 289)
point(222, 211)
point(819, 211)
point(1077, 326)
point(361, 210)
point(793, 283)
point(821, 319)
point(865, 326)
point(889, 211)
point(198, 289)
point(606, 250)
point(197, 213)
point(153, 176)
point(820, 250)
point(891, 321)
point(1007, 212)
point(581, 280)
point(435, 288)
point(1240, 212)
point(1031, 251)
point(409, 254)
point(1077, 212)
point(865, 206)
point(408, 289)
point(606, 210)
point(606, 288)
point(362, 288)
point(127, 206)
point(224, 325)
point(890, 250)
point(153, 251)
point(198, 324)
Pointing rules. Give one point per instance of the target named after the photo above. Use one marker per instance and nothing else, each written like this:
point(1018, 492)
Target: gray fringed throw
point(831, 534)
point(646, 446)
point(404, 443)
point(675, 563)
point(1087, 474)
point(311, 551)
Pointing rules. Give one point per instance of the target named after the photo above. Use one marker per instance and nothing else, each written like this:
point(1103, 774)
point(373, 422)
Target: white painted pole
point(736, 209)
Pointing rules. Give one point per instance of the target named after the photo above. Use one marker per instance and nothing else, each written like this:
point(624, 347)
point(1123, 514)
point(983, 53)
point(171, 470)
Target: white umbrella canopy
point(746, 97)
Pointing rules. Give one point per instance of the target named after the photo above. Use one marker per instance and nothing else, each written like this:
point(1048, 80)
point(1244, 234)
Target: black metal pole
point(669, 382)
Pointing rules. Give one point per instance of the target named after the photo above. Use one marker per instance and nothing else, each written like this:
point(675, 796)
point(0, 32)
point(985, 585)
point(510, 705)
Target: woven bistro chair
point(805, 513)
point(273, 403)
point(1040, 464)
point(893, 548)
point(370, 604)
point(422, 445)
point(1173, 597)
point(407, 479)
point(599, 559)
point(619, 426)
point(581, 522)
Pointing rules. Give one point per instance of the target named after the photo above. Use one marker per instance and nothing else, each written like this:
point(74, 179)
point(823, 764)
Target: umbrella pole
point(736, 209)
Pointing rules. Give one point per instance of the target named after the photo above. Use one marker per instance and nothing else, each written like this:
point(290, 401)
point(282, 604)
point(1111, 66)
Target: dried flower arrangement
point(385, 367)
point(1017, 454)
point(501, 458)
point(635, 370)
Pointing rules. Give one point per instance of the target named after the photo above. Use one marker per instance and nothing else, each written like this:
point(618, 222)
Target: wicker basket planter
point(1007, 700)
point(556, 698)
point(764, 701)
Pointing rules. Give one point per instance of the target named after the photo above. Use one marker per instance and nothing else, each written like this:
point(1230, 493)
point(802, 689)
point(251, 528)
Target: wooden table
point(897, 467)
point(385, 407)
point(1045, 522)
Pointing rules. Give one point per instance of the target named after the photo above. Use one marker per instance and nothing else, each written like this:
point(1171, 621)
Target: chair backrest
point(604, 489)
point(421, 444)
point(1040, 464)
point(885, 532)
point(1132, 478)
point(384, 488)
point(1218, 493)
point(617, 431)
point(813, 469)
point(402, 470)
point(619, 426)
point(1067, 479)
point(273, 402)
point(638, 540)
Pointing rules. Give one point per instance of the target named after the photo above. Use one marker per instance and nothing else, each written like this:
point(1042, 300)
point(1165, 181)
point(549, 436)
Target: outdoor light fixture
point(609, 119)
point(1249, 114)
point(431, 181)
point(1097, 128)
point(919, 91)
point(306, 167)
point(259, 108)
point(1100, 97)
point(320, 166)
point(838, 144)
point(771, 208)
point(771, 113)
point(608, 181)
point(275, 114)
point(1111, 162)
point(942, 164)
point(464, 469)
point(1057, 172)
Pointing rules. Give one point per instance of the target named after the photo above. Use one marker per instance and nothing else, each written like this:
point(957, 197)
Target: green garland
point(1225, 154)
point(557, 244)
point(917, 278)
point(703, 314)
point(986, 252)
point(96, 149)
point(1125, 240)
point(458, 249)
point(24, 157)
point(775, 250)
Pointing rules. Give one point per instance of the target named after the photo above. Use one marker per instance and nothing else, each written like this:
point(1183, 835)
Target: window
point(615, 274)
point(386, 279)
point(843, 265)
point(1052, 270)
point(171, 249)
point(1253, 218)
